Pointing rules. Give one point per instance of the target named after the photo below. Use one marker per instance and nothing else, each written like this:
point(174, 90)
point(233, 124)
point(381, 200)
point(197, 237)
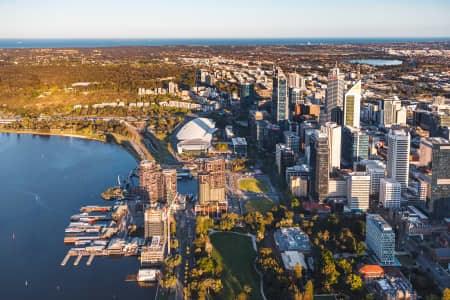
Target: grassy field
point(236, 256)
point(253, 185)
point(261, 205)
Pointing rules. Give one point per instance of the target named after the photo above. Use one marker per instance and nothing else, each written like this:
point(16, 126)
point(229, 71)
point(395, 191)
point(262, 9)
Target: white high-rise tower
point(333, 132)
point(398, 156)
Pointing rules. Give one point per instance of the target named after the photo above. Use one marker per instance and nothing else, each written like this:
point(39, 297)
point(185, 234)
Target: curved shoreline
point(132, 152)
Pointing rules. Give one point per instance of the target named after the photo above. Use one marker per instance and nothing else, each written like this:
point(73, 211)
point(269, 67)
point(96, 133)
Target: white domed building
point(195, 136)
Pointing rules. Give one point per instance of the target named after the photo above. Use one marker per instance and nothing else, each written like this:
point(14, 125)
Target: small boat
point(13, 236)
point(26, 283)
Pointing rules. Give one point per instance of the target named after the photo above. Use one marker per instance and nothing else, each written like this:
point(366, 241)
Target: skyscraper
point(398, 156)
point(380, 238)
point(280, 95)
point(358, 188)
point(355, 146)
point(247, 94)
point(319, 165)
point(440, 182)
point(333, 132)
point(390, 193)
point(295, 97)
point(389, 109)
point(352, 106)
point(335, 94)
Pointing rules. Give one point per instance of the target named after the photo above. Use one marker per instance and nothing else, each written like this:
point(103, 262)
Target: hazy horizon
point(137, 19)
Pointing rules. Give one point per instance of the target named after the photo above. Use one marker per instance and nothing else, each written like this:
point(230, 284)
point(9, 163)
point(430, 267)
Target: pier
point(77, 261)
point(90, 259)
point(65, 260)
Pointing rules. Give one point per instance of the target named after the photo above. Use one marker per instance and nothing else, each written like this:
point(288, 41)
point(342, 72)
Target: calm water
point(377, 62)
point(62, 43)
point(43, 181)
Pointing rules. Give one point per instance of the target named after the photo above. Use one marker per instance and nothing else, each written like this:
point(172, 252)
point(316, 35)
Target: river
point(43, 181)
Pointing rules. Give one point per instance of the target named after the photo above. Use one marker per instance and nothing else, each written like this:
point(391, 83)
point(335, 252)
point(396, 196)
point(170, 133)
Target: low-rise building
point(292, 239)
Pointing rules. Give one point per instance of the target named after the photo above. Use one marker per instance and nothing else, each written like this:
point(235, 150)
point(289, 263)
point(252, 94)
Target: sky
point(223, 19)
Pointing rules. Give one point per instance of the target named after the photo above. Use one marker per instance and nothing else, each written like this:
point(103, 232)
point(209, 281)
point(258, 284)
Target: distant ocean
point(72, 43)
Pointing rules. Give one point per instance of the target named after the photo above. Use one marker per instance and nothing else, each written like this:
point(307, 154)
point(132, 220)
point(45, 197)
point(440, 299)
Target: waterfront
point(45, 180)
point(377, 62)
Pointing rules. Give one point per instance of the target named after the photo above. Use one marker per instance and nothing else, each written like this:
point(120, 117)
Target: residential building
point(154, 222)
point(157, 184)
point(211, 181)
point(380, 238)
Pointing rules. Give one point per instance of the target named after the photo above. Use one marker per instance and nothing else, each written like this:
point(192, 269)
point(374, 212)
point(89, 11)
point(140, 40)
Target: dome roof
point(198, 129)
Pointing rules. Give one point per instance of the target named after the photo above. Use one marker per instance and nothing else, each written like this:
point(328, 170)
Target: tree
point(446, 294)
point(345, 266)
point(298, 271)
point(173, 261)
point(174, 243)
point(309, 291)
point(169, 281)
point(247, 289)
point(354, 282)
point(360, 248)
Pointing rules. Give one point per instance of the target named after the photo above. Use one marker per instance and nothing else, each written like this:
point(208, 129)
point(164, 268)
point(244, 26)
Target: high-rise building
point(333, 132)
point(426, 149)
point(154, 222)
point(211, 181)
point(280, 95)
point(389, 109)
point(292, 140)
point(355, 146)
point(295, 97)
point(352, 106)
point(440, 180)
point(157, 184)
point(284, 157)
point(398, 156)
point(358, 188)
point(335, 93)
point(247, 94)
point(390, 193)
point(298, 186)
point(319, 164)
point(296, 81)
point(377, 170)
point(380, 238)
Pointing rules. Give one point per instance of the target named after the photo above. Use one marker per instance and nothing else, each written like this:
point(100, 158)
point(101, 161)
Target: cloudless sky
point(223, 19)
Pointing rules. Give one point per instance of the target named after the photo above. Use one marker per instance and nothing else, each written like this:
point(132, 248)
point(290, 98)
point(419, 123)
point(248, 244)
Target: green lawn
point(236, 256)
point(253, 185)
point(261, 205)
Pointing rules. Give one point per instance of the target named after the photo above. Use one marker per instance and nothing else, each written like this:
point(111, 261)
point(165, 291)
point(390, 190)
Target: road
point(427, 265)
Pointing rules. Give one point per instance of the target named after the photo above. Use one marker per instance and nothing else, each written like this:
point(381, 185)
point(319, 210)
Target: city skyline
point(251, 19)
